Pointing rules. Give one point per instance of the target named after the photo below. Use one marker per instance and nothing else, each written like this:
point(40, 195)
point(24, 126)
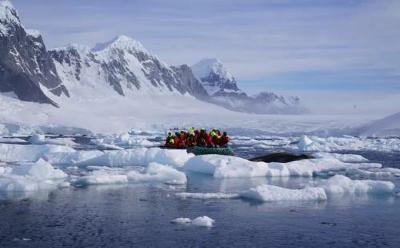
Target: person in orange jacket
point(178, 141)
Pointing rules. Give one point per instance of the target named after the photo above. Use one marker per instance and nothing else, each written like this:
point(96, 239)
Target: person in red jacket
point(209, 140)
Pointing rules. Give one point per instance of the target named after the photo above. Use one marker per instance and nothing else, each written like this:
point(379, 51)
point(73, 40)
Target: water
point(140, 216)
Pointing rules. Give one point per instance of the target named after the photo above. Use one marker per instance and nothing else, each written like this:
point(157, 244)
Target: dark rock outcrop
point(25, 65)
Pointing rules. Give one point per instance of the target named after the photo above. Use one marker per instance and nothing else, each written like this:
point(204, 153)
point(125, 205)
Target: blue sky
point(289, 46)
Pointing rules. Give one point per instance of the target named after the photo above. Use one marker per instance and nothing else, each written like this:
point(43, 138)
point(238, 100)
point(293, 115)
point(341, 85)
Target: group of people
point(194, 137)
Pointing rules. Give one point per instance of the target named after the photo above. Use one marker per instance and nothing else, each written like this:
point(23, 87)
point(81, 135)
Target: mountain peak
point(207, 66)
point(121, 42)
point(8, 16)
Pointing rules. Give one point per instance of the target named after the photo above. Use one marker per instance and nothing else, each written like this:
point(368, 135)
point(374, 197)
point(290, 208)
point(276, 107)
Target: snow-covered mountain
point(26, 69)
point(223, 90)
point(215, 78)
point(124, 65)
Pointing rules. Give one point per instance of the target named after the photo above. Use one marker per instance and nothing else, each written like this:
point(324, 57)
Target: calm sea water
point(140, 216)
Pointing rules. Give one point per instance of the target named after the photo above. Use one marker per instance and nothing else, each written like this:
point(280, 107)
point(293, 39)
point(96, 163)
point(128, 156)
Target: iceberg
point(31, 177)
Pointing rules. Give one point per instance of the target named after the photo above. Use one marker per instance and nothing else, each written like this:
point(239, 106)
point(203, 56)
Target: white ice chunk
point(372, 174)
point(103, 177)
point(159, 173)
point(341, 185)
point(207, 196)
point(140, 156)
point(41, 170)
point(271, 193)
point(29, 153)
point(204, 221)
point(135, 140)
point(31, 177)
point(71, 157)
point(394, 171)
point(230, 167)
point(154, 173)
point(304, 143)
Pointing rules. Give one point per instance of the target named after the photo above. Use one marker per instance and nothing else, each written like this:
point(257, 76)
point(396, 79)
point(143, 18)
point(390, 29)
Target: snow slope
point(389, 126)
point(118, 115)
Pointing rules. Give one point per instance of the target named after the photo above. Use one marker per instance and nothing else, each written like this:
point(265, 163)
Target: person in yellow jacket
point(170, 141)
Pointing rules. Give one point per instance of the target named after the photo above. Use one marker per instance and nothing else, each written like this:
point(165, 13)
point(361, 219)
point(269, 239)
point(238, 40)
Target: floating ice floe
point(336, 186)
point(203, 221)
point(230, 167)
point(31, 177)
point(207, 196)
point(370, 174)
point(140, 156)
point(153, 173)
point(71, 157)
point(271, 193)
point(342, 185)
point(29, 153)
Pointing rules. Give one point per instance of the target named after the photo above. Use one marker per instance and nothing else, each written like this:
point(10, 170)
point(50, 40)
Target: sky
point(336, 54)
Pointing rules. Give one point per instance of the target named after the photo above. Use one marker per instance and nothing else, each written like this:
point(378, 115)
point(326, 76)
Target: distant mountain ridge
point(121, 67)
point(223, 90)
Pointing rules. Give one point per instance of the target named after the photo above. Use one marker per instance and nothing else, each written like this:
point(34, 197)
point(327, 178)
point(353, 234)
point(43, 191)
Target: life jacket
point(169, 141)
